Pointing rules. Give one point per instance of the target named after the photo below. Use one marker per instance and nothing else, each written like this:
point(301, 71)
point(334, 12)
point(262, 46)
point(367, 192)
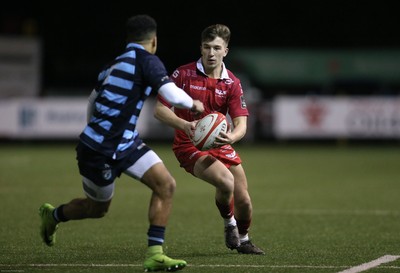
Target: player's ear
point(154, 43)
point(226, 51)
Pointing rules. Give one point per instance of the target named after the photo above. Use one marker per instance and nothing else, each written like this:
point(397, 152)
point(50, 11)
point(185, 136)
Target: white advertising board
point(63, 118)
point(336, 117)
point(42, 118)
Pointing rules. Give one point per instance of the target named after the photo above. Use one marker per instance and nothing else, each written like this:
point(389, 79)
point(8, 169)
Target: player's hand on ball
point(223, 139)
point(189, 128)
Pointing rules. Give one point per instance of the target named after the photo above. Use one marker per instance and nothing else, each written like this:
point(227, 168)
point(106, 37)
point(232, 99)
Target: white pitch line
point(363, 267)
point(371, 264)
point(71, 265)
point(189, 265)
point(331, 212)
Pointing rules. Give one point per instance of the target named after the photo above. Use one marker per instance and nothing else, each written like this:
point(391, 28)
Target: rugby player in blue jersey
point(110, 145)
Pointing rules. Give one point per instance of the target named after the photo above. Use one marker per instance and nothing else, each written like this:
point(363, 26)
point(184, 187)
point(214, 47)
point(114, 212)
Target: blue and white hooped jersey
point(122, 87)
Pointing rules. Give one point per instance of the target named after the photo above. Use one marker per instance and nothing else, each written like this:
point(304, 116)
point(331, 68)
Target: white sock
point(244, 238)
point(230, 222)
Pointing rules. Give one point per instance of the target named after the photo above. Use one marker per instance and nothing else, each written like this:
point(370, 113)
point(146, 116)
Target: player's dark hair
point(140, 28)
point(214, 31)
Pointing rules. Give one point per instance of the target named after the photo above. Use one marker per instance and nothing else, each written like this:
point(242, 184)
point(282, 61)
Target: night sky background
point(79, 37)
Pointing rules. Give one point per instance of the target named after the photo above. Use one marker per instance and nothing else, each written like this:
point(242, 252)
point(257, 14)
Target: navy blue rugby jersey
point(122, 87)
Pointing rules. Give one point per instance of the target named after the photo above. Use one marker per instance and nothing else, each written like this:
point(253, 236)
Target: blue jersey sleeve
point(155, 72)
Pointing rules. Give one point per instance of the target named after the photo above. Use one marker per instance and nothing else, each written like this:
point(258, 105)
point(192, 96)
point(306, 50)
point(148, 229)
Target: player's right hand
point(197, 108)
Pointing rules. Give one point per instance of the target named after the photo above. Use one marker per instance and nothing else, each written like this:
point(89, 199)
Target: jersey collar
point(135, 45)
point(224, 74)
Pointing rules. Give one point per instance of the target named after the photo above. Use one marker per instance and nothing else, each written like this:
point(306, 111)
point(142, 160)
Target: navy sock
point(155, 235)
point(58, 214)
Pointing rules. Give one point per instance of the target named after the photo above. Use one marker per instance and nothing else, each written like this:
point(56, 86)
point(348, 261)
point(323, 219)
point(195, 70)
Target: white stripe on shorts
point(97, 193)
point(143, 164)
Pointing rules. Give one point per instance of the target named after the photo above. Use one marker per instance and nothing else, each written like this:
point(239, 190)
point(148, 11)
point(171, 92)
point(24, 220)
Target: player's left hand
point(223, 139)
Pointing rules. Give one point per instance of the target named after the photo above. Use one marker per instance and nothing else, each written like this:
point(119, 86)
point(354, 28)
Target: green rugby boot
point(157, 261)
point(49, 226)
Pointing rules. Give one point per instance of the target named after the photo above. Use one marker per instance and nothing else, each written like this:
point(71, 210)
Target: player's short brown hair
point(214, 31)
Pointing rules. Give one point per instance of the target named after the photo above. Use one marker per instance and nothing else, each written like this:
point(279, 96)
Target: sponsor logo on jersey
point(243, 102)
point(195, 87)
point(228, 81)
point(220, 93)
point(192, 73)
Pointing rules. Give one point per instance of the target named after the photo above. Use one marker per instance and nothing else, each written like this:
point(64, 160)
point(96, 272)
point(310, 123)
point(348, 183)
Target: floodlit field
point(316, 209)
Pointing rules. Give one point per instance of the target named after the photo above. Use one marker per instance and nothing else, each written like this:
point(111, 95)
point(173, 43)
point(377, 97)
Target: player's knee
point(169, 186)
point(165, 187)
point(226, 182)
point(243, 204)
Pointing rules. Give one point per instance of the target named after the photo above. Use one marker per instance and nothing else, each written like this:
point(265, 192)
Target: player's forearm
point(167, 116)
point(239, 129)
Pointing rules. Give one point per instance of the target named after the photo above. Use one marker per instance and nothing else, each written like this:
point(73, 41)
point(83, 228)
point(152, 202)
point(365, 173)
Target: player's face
point(213, 53)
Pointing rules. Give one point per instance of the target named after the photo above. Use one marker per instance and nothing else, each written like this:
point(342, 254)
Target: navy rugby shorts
point(103, 170)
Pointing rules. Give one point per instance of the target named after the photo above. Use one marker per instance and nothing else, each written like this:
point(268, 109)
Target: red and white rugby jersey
point(223, 95)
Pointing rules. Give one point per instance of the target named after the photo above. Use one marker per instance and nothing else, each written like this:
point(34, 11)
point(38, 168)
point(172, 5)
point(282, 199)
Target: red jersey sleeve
point(237, 104)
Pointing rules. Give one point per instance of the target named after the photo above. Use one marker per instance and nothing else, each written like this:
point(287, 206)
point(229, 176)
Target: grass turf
point(316, 209)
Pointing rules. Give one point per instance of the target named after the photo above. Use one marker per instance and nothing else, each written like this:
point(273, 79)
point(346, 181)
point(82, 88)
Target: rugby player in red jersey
point(209, 81)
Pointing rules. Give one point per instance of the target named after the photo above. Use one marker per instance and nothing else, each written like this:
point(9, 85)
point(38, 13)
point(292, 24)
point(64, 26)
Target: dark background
point(79, 37)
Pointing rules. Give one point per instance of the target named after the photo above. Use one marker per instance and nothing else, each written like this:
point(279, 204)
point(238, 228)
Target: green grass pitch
point(317, 208)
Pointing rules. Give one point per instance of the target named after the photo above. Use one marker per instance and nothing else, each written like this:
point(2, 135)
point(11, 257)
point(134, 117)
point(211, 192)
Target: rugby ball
point(207, 129)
